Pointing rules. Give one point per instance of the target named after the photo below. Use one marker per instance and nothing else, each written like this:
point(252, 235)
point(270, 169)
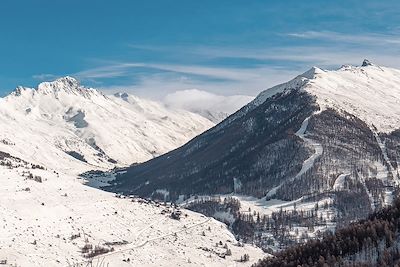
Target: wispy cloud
point(44, 76)
point(159, 79)
point(327, 49)
point(202, 102)
point(366, 39)
point(207, 67)
point(229, 81)
point(110, 70)
point(119, 69)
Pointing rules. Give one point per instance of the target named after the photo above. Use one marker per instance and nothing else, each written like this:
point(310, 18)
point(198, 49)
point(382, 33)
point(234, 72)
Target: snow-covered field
point(48, 223)
point(50, 217)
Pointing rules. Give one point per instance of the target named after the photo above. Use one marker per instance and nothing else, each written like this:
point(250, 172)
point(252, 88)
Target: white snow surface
point(41, 125)
point(370, 92)
point(318, 149)
point(47, 223)
point(339, 182)
point(63, 116)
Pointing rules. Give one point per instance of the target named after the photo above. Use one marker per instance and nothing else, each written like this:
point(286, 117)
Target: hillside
point(64, 125)
point(371, 242)
point(52, 219)
point(324, 137)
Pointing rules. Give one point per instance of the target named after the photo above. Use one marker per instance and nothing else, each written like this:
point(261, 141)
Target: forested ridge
point(326, 167)
point(278, 230)
point(258, 150)
point(371, 242)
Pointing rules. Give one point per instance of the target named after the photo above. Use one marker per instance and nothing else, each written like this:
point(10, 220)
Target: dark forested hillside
point(303, 144)
point(371, 242)
point(351, 150)
point(249, 154)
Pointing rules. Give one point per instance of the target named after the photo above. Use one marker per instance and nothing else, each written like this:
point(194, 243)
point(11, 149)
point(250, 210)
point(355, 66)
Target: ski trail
point(148, 227)
point(388, 192)
point(308, 163)
point(143, 243)
point(385, 156)
point(339, 182)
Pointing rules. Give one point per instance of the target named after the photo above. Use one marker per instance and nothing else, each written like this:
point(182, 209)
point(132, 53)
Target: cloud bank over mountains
point(212, 106)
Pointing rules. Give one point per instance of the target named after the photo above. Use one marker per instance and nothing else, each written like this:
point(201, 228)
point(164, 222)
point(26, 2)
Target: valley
point(200, 133)
point(316, 145)
point(292, 166)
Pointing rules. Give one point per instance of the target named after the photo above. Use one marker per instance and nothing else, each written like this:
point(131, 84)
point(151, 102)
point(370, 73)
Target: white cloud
point(321, 55)
point(44, 77)
point(238, 81)
point(366, 39)
point(110, 70)
point(195, 99)
point(270, 66)
point(120, 69)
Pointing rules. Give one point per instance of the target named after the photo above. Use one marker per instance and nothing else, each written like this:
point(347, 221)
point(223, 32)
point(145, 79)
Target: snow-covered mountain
point(62, 124)
point(50, 217)
point(369, 92)
point(325, 138)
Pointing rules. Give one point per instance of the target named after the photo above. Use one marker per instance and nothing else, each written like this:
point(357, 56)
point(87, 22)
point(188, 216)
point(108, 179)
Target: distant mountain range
point(64, 124)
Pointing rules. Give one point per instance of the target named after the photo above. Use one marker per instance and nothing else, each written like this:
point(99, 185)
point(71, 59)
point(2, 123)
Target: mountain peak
point(65, 84)
point(311, 73)
point(121, 95)
point(68, 80)
point(366, 63)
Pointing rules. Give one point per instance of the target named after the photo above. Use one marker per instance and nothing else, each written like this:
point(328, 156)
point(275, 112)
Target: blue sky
point(152, 48)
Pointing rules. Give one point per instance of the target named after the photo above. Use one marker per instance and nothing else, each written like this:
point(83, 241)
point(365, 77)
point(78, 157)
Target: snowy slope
point(97, 131)
point(329, 136)
point(320, 105)
point(47, 218)
point(370, 92)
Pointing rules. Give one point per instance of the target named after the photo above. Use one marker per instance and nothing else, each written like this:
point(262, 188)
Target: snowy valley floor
point(47, 221)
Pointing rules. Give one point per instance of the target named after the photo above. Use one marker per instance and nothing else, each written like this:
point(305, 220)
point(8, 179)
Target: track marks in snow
point(145, 242)
point(339, 182)
point(308, 163)
point(43, 238)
